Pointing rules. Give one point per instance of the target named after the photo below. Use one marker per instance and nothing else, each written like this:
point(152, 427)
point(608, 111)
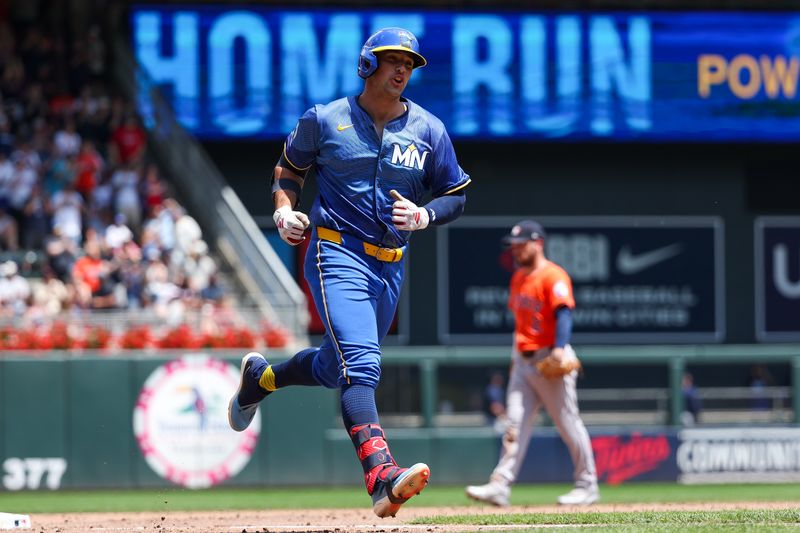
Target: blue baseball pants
point(356, 296)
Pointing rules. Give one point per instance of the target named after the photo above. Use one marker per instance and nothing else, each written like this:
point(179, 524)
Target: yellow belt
point(387, 255)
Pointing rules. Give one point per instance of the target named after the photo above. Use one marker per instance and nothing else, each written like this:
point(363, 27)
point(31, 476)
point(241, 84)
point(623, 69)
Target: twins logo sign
point(777, 253)
point(180, 422)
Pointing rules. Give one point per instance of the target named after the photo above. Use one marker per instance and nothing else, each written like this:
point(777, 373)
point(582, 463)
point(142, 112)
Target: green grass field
point(670, 521)
point(343, 497)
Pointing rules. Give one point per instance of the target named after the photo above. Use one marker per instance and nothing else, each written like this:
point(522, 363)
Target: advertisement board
point(697, 455)
point(621, 456)
point(635, 279)
point(251, 71)
point(777, 268)
point(739, 455)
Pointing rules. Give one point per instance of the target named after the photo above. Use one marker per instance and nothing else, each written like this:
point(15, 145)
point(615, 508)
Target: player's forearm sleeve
point(563, 326)
point(445, 208)
point(287, 184)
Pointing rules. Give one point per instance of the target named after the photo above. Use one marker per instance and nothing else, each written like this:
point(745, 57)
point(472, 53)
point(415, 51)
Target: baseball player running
point(543, 370)
point(375, 156)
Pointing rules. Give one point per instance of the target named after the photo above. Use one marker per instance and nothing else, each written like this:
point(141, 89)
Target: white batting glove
point(406, 215)
point(291, 224)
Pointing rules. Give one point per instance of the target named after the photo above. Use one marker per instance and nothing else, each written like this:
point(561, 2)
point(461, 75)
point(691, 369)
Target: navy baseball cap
point(524, 231)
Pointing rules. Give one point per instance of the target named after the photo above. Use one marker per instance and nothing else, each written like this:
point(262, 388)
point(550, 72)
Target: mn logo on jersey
point(410, 157)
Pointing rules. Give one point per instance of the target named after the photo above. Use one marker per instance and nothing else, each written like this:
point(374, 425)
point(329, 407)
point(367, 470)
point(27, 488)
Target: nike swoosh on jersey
point(628, 263)
point(342, 128)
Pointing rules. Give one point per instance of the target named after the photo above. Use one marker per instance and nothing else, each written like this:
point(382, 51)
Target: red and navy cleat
point(394, 486)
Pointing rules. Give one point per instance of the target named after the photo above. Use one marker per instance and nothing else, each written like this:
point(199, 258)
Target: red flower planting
point(61, 336)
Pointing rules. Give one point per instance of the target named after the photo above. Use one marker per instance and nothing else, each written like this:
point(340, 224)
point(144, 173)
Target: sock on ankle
point(358, 405)
point(267, 380)
point(295, 371)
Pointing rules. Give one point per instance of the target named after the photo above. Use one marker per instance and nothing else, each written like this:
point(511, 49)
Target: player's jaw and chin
point(392, 87)
point(523, 255)
point(389, 76)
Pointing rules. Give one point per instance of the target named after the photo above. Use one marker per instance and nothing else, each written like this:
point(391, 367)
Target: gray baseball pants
point(527, 392)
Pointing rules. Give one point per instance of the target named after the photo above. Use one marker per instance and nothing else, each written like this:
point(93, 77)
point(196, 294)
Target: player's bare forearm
point(283, 198)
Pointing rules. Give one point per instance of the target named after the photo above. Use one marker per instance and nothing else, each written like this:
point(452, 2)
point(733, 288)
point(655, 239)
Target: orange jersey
point(533, 298)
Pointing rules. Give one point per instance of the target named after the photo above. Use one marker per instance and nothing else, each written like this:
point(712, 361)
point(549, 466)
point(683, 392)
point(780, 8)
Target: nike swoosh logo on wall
point(342, 128)
point(628, 263)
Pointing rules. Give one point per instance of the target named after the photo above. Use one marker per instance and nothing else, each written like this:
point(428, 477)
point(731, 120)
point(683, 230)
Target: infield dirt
point(332, 520)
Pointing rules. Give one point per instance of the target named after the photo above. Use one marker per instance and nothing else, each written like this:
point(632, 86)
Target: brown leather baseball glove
point(553, 368)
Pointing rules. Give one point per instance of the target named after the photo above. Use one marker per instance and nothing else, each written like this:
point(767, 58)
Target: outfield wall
point(78, 423)
point(145, 421)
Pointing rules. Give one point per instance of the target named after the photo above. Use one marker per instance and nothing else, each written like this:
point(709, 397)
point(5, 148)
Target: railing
point(667, 402)
point(215, 205)
point(641, 407)
point(672, 359)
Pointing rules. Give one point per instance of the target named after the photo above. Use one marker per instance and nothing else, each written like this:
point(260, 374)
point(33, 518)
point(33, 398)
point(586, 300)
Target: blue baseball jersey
point(356, 168)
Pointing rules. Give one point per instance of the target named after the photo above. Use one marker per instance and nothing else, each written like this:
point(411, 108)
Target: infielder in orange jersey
point(540, 297)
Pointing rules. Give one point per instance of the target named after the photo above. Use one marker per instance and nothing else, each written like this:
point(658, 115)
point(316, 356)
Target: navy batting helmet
point(383, 41)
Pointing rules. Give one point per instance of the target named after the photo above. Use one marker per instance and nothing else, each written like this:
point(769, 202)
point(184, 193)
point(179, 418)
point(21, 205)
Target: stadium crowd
point(86, 220)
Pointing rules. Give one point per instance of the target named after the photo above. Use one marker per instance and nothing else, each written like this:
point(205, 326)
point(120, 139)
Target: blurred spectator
point(128, 141)
point(212, 293)
point(6, 179)
point(41, 138)
point(14, 290)
point(94, 123)
point(198, 266)
point(128, 274)
point(22, 183)
point(60, 255)
point(118, 234)
point(162, 223)
point(154, 189)
point(67, 142)
point(103, 194)
point(26, 155)
point(62, 102)
point(92, 277)
point(37, 219)
point(97, 221)
point(691, 401)
point(149, 241)
point(187, 231)
point(6, 137)
point(67, 206)
point(9, 234)
point(57, 173)
point(494, 401)
point(159, 290)
point(88, 101)
point(74, 170)
point(88, 166)
point(50, 294)
point(127, 201)
point(760, 379)
point(132, 274)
